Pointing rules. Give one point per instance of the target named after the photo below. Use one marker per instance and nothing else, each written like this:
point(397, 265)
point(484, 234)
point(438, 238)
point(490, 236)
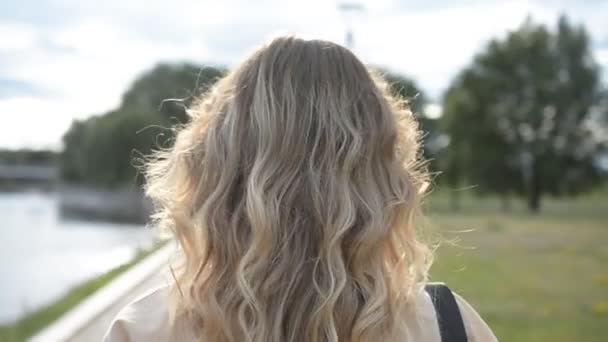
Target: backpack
point(449, 319)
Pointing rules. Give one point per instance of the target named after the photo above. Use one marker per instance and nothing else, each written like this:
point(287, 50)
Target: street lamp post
point(349, 9)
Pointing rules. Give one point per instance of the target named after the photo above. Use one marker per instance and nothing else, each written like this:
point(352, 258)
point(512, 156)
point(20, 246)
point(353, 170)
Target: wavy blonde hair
point(292, 193)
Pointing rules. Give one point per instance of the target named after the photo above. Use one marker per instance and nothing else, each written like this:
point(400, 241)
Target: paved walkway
point(97, 328)
point(89, 320)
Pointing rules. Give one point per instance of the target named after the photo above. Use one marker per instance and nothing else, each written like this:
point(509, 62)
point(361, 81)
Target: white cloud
point(86, 60)
point(34, 122)
point(601, 56)
point(433, 45)
point(16, 37)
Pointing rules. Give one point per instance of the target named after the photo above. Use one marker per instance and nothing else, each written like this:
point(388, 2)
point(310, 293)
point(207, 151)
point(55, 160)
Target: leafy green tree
point(409, 90)
point(71, 161)
point(101, 150)
point(110, 142)
point(520, 117)
point(169, 89)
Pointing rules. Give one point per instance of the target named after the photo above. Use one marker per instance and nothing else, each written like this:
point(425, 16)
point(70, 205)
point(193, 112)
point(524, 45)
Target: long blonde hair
point(292, 193)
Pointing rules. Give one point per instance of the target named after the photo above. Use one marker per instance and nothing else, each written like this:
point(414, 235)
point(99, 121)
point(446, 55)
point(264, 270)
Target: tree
point(169, 89)
point(101, 150)
point(409, 90)
point(520, 117)
point(71, 159)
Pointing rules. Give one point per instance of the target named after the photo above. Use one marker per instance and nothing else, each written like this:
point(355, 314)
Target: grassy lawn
point(35, 321)
point(532, 277)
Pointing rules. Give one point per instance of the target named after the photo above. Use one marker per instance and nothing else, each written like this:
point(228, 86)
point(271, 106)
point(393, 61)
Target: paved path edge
point(82, 314)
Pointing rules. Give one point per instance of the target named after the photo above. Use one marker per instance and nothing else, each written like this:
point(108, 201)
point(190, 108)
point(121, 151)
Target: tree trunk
point(534, 201)
point(534, 190)
point(505, 203)
point(455, 200)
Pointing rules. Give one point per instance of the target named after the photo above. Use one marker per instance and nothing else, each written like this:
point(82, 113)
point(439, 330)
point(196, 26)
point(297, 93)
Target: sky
point(62, 60)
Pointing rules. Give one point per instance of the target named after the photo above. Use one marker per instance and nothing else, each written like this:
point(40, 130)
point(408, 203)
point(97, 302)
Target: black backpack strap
point(449, 319)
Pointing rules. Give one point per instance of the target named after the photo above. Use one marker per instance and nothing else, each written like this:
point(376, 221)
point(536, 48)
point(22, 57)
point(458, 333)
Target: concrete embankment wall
point(125, 204)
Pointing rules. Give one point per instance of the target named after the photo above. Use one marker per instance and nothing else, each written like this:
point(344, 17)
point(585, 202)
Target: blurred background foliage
point(100, 150)
point(526, 118)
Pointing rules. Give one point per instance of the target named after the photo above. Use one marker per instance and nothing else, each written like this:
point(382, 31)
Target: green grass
point(532, 277)
point(36, 320)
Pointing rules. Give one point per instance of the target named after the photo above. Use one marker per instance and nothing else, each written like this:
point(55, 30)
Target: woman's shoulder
point(147, 319)
point(144, 319)
point(475, 327)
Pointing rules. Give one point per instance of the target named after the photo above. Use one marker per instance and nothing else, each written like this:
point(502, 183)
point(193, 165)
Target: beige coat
point(146, 319)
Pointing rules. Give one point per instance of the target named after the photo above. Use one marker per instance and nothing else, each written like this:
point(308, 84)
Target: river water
point(42, 256)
